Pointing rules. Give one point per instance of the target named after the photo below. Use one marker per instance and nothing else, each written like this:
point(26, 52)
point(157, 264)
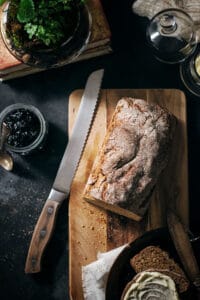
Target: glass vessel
point(190, 72)
point(45, 57)
point(171, 35)
point(28, 128)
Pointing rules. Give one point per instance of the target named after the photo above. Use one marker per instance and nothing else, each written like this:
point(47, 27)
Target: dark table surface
point(24, 191)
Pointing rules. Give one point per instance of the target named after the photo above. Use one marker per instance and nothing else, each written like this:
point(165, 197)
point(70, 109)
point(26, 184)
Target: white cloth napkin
point(94, 275)
point(148, 8)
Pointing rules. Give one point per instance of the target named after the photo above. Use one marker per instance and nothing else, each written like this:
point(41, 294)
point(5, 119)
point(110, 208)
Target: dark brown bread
point(152, 258)
point(134, 152)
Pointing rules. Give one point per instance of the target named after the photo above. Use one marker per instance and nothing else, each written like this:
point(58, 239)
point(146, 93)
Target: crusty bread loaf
point(134, 152)
point(152, 258)
point(150, 285)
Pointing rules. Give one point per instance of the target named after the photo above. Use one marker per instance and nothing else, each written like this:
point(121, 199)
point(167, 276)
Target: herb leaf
point(26, 11)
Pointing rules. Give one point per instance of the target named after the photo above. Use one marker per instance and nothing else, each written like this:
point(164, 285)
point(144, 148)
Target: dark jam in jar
point(24, 127)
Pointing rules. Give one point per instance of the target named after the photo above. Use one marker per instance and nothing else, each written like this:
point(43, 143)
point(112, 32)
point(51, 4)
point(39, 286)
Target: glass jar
point(28, 128)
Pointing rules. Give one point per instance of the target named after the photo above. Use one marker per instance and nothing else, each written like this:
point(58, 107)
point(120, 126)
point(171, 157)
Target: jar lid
point(170, 32)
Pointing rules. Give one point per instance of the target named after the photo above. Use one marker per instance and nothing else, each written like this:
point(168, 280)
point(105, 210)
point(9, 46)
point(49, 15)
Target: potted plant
point(45, 33)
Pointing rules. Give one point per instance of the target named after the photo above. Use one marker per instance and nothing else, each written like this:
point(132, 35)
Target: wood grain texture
point(91, 229)
point(41, 235)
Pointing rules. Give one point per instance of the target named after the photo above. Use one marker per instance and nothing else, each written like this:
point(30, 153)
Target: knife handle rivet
point(43, 232)
point(50, 210)
point(33, 261)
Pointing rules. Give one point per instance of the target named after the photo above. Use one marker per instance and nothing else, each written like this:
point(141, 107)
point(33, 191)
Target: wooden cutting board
point(91, 229)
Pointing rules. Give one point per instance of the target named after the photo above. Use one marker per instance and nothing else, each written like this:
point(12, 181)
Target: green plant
point(43, 20)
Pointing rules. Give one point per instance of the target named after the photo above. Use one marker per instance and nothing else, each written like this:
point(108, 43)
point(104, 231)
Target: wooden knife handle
point(184, 248)
point(41, 236)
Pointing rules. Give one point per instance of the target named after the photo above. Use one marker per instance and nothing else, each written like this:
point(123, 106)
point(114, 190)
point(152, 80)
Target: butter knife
point(61, 186)
point(184, 248)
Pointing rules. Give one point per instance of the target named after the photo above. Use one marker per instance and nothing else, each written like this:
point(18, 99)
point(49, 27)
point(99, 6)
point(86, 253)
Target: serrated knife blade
point(66, 171)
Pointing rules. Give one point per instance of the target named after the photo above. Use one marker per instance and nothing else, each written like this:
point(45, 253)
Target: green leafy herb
point(43, 20)
point(30, 29)
point(45, 32)
point(26, 11)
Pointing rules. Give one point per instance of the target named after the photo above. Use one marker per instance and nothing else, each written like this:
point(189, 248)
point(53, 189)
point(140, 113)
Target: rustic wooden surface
point(91, 229)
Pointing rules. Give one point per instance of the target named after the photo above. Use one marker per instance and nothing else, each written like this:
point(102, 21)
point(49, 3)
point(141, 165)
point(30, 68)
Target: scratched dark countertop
point(24, 191)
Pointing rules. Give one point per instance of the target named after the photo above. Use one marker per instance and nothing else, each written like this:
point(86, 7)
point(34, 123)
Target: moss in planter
point(52, 22)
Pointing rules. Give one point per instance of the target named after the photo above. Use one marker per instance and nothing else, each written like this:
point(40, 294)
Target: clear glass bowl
point(30, 116)
point(190, 72)
point(172, 36)
point(44, 57)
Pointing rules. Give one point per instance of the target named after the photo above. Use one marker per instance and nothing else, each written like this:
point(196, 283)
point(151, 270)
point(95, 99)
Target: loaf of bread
point(153, 258)
point(134, 152)
point(150, 285)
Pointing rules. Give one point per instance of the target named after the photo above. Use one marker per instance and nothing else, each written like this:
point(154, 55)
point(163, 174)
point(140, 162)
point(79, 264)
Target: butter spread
point(151, 285)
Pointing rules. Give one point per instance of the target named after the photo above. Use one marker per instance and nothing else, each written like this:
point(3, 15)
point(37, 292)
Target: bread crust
point(135, 150)
point(155, 259)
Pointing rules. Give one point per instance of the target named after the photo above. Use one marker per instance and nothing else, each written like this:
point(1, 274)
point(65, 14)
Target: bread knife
point(61, 186)
point(184, 248)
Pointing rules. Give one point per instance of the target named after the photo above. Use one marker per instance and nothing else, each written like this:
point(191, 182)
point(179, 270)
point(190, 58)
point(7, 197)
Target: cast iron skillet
point(121, 272)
